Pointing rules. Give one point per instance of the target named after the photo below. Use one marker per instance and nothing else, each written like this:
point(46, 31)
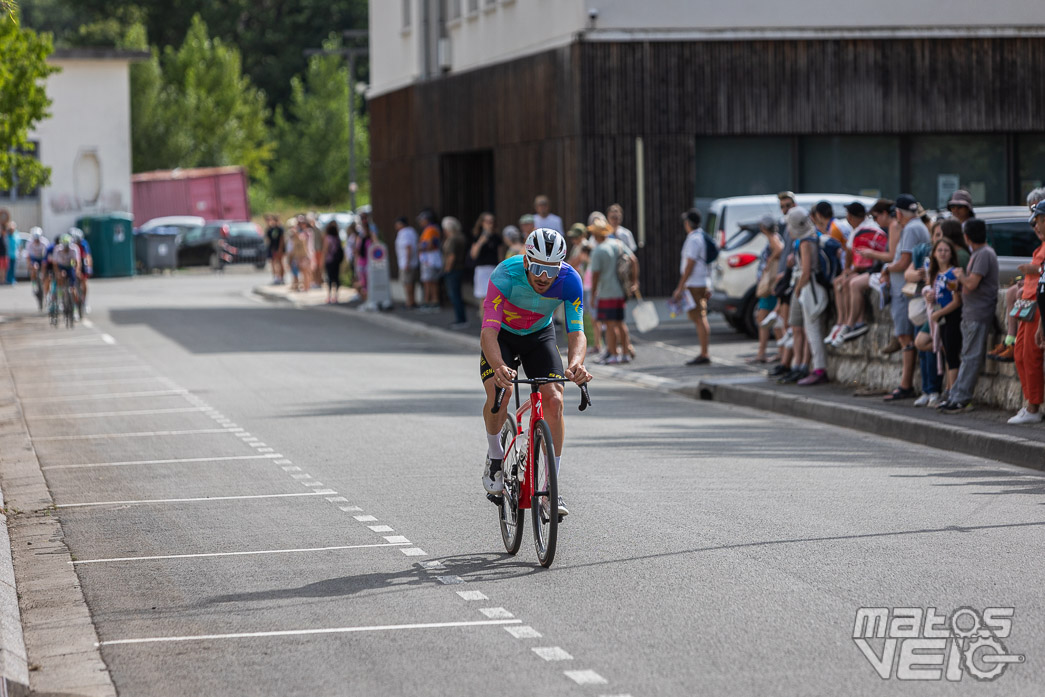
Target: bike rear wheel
point(509, 514)
point(68, 308)
point(545, 505)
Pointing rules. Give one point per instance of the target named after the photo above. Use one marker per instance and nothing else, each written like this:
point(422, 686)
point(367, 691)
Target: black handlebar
point(537, 382)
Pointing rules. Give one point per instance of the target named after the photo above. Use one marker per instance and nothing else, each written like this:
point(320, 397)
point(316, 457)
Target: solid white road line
point(200, 498)
point(135, 434)
point(234, 554)
point(121, 395)
point(585, 677)
point(552, 653)
point(306, 632)
point(173, 461)
point(101, 414)
point(94, 371)
point(84, 383)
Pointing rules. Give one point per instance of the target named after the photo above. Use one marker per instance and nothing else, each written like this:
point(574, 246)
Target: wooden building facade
point(567, 123)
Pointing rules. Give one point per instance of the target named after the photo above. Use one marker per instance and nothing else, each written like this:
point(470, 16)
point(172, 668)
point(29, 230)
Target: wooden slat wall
point(564, 122)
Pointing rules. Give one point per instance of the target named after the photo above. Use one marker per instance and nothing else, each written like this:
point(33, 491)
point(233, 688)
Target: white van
point(733, 223)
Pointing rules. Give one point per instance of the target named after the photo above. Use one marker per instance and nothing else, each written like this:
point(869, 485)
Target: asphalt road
point(270, 501)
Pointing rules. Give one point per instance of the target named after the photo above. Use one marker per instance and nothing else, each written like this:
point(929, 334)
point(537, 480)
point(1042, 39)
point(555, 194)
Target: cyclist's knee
point(553, 402)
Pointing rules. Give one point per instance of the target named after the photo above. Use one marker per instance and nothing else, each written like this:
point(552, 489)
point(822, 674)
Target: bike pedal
point(495, 499)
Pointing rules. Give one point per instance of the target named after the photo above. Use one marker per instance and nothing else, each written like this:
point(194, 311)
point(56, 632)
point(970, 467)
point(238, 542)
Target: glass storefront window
point(858, 165)
point(976, 163)
point(1030, 153)
point(728, 166)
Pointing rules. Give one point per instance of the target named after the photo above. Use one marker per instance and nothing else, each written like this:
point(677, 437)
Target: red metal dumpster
point(214, 193)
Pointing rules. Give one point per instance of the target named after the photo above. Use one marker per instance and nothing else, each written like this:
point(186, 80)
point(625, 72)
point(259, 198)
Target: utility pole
point(349, 52)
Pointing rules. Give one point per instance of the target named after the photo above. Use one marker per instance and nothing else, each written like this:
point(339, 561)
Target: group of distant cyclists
point(65, 262)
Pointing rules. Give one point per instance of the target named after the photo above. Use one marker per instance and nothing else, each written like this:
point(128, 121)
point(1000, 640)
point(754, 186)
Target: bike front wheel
point(545, 504)
point(509, 514)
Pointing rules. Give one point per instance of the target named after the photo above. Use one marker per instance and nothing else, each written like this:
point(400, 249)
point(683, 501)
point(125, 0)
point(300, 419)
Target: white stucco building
point(86, 141)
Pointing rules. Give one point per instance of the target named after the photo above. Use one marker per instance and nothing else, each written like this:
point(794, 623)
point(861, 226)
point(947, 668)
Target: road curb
point(59, 641)
point(1008, 449)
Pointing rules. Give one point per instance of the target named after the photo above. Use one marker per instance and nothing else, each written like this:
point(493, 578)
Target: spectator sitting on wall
point(851, 284)
point(823, 217)
point(615, 216)
point(1029, 357)
point(406, 254)
point(543, 217)
point(913, 232)
point(979, 299)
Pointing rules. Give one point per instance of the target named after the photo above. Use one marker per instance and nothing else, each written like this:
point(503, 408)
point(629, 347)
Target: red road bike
point(528, 470)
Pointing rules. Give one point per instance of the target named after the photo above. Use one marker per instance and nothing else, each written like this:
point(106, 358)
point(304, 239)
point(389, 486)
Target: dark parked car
point(222, 242)
point(1011, 236)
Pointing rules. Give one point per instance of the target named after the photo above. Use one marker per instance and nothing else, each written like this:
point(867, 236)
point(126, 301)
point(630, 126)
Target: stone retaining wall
point(860, 362)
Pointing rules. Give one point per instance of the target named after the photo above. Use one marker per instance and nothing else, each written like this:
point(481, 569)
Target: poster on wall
point(946, 184)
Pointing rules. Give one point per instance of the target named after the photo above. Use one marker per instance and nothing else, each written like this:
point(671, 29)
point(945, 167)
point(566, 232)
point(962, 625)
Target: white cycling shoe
point(493, 483)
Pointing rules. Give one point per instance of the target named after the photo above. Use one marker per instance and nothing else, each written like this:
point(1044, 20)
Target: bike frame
point(533, 405)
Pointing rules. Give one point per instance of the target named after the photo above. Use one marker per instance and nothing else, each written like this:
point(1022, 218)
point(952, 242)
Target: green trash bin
point(112, 243)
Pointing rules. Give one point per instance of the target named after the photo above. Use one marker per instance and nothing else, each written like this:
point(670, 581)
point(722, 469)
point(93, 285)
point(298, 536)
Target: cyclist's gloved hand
point(503, 376)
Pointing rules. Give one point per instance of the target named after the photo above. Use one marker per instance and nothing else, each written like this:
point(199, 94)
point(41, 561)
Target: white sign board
point(946, 185)
point(378, 283)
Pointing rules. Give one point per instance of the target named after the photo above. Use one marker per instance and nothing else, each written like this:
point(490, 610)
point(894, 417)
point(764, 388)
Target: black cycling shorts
point(538, 353)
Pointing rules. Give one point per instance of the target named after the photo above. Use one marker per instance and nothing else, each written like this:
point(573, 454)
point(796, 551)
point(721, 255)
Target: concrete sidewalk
point(660, 364)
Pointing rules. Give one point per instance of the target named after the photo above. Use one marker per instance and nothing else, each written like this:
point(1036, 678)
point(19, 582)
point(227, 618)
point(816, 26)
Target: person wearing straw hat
point(609, 295)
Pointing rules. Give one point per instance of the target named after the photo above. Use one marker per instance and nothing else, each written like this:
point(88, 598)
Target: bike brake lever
point(585, 399)
point(498, 398)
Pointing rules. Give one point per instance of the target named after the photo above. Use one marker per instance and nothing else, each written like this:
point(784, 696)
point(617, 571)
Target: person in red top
point(1029, 356)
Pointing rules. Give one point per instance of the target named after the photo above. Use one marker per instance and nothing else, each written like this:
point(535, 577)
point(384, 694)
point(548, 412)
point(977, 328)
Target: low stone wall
point(860, 362)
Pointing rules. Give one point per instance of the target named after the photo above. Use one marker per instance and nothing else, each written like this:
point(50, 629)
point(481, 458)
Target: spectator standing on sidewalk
point(365, 239)
point(1005, 350)
point(299, 258)
point(486, 253)
point(455, 261)
point(979, 299)
point(960, 206)
point(615, 216)
point(406, 255)
point(431, 260)
point(778, 317)
point(913, 232)
point(695, 282)
point(333, 256)
point(526, 225)
point(543, 217)
point(945, 300)
point(1029, 357)
point(808, 302)
point(767, 275)
point(609, 295)
point(274, 239)
point(513, 243)
point(11, 252)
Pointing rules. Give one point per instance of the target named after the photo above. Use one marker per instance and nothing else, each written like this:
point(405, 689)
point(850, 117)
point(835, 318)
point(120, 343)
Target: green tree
point(195, 108)
point(312, 161)
point(23, 101)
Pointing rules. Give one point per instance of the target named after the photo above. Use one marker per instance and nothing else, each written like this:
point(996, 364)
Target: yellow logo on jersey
point(577, 305)
point(510, 316)
point(497, 302)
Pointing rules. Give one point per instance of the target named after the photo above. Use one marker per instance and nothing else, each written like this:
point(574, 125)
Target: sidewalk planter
point(860, 362)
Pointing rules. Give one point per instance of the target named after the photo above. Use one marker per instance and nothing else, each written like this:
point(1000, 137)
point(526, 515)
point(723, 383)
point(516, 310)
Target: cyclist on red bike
point(517, 326)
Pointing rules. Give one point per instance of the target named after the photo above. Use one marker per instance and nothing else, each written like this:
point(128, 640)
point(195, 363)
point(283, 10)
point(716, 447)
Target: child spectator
point(1029, 357)
point(945, 303)
point(979, 298)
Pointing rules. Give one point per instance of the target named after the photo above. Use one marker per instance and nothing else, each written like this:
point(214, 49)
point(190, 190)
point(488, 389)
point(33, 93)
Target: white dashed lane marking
point(472, 595)
point(585, 677)
point(552, 653)
point(306, 632)
point(365, 518)
point(381, 528)
point(523, 632)
point(233, 554)
point(413, 552)
point(496, 613)
point(202, 498)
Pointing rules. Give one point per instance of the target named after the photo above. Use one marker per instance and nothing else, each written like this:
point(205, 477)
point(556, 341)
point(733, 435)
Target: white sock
point(558, 460)
point(493, 448)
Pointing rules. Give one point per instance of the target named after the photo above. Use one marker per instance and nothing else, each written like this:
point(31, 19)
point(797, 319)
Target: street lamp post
point(350, 54)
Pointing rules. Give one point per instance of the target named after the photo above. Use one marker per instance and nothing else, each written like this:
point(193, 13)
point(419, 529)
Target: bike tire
point(68, 308)
point(545, 479)
point(509, 515)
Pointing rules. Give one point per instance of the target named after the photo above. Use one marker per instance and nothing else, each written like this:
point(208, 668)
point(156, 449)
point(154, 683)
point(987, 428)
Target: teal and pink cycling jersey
point(512, 303)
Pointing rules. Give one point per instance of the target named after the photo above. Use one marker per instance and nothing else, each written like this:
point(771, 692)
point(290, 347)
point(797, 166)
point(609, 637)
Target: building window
point(453, 9)
point(473, 8)
point(1030, 151)
point(407, 14)
point(858, 165)
point(741, 166)
point(976, 163)
point(17, 190)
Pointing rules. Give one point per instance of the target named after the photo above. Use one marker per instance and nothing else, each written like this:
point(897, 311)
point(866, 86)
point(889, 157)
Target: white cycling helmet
point(546, 246)
point(36, 232)
point(77, 233)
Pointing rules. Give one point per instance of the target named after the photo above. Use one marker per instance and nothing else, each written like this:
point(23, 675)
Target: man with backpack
point(694, 288)
point(614, 277)
point(816, 261)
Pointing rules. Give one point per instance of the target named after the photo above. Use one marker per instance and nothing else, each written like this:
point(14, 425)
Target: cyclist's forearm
point(577, 347)
point(492, 351)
